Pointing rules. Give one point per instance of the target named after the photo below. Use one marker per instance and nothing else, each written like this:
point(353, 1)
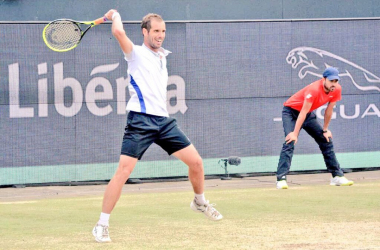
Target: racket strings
point(62, 35)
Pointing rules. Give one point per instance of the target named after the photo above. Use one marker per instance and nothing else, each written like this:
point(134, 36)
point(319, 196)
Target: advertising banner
point(227, 84)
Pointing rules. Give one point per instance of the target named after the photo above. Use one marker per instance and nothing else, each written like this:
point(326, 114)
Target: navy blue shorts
point(142, 130)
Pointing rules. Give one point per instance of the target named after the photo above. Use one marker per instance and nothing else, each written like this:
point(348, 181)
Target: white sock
point(200, 198)
point(104, 219)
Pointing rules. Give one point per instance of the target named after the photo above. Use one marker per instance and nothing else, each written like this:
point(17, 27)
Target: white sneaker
point(282, 184)
point(101, 233)
point(207, 209)
point(340, 181)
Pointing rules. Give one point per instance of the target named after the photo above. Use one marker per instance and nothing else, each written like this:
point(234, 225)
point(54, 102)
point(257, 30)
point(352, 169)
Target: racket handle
point(100, 20)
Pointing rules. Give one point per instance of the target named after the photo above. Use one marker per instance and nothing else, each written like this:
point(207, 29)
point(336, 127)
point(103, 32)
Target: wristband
point(114, 15)
point(324, 131)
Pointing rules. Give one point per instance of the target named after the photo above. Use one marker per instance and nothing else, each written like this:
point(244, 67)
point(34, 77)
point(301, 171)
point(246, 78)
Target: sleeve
point(310, 96)
point(131, 56)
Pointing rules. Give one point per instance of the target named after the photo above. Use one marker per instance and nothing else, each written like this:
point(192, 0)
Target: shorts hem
point(178, 149)
point(130, 155)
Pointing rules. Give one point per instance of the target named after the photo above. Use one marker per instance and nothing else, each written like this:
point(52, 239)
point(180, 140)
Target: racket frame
point(77, 23)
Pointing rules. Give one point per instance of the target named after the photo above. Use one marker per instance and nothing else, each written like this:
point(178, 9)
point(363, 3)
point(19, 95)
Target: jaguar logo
point(305, 59)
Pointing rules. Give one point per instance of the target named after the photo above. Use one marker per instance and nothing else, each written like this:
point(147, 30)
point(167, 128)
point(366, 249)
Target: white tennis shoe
point(207, 209)
point(101, 233)
point(282, 184)
point(341, 181)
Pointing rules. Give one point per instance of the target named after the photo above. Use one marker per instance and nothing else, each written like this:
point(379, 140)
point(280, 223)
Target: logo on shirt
point(304, 59)
point(309, 96)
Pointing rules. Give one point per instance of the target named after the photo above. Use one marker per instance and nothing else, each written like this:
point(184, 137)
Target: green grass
point(304, 217)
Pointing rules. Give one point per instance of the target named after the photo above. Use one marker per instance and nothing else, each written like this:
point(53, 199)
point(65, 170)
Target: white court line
point(277, 119)
point(17, 202)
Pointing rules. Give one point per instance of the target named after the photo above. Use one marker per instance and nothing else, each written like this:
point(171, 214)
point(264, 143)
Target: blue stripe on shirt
point(139, 94)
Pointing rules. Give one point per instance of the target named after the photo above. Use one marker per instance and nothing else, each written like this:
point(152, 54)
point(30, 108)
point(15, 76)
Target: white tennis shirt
point(148, 80)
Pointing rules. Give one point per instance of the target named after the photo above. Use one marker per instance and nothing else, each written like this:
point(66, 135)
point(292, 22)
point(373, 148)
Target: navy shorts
point(142, 130)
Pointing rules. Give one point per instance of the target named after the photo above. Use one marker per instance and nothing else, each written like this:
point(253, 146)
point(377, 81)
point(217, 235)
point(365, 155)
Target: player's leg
point(289, 118)
point(192, 159)
point(114, 187)
point(138, 136)
point(314, 129)
point(175, 142)
point(112, 195)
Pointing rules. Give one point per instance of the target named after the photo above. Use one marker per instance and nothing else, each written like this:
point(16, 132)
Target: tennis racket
point(65, 34)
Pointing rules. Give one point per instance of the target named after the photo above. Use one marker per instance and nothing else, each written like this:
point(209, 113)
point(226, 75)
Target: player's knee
point(124, 171)
point(197, 164)
point(326, 145)
point(327, 149)
point(288, 147)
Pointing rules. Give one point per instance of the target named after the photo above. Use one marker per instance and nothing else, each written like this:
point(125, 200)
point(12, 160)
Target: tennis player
point(298, 114)
point(148, 120)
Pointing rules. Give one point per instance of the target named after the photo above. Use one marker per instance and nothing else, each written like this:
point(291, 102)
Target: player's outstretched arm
point(118, 31)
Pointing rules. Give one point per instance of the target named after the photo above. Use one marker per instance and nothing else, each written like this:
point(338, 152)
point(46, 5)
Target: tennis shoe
point(101, 233)
point(340, 181)
point(282, 184)
point(207, 209)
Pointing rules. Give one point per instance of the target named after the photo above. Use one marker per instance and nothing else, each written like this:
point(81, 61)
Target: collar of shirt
point(160, 51)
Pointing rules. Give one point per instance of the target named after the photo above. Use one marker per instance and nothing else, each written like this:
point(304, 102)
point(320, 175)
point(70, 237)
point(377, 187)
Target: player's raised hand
point(109, 14)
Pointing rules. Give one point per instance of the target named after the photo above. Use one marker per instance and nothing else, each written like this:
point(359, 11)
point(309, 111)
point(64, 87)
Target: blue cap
point(331, 74)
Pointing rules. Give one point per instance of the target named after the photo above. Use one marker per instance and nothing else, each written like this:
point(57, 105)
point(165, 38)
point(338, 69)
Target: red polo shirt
point(315, 94)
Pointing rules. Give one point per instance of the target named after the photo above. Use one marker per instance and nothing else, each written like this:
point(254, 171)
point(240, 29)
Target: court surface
point(52, 192)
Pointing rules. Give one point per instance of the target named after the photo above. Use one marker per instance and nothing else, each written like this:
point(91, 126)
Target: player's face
point(330, 85)
point(156, 36)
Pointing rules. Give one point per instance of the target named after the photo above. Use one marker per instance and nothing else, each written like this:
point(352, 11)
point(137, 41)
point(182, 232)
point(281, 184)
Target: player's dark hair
point(147, 20)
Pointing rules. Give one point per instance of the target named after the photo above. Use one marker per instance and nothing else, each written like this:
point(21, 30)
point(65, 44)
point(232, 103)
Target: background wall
point(132, 10)
point(62, 114)
point(227, 83)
